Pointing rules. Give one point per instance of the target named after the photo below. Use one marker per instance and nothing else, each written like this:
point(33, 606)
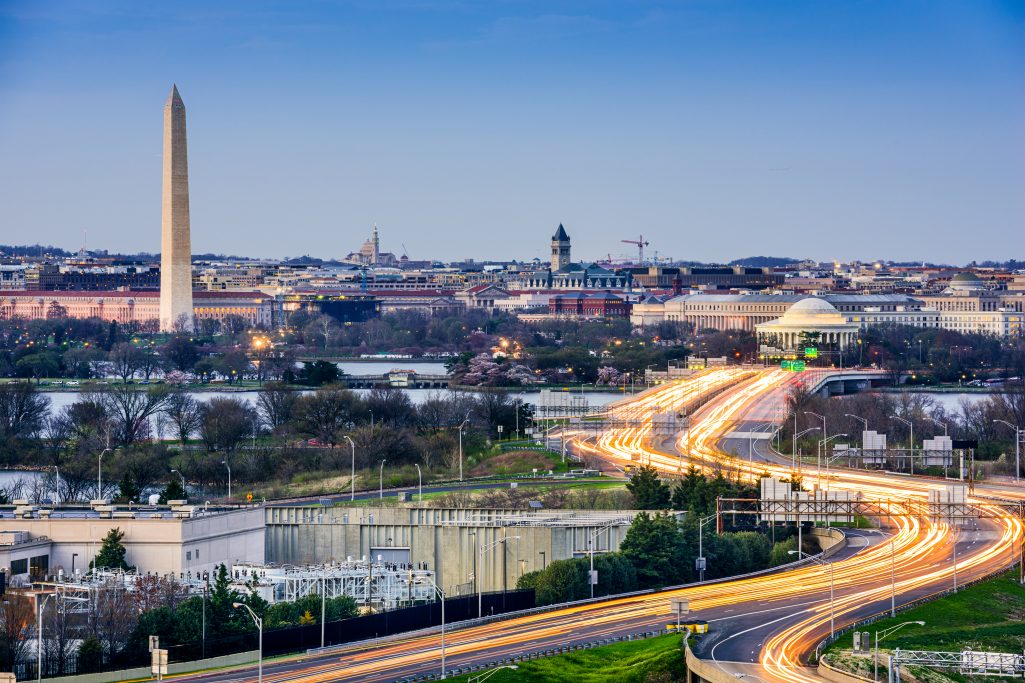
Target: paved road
point(763, 624)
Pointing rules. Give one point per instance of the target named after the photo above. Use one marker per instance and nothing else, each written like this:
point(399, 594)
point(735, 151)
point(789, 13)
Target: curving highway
point(761, 626)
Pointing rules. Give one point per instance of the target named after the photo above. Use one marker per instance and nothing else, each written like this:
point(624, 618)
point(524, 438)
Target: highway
point(762, 626)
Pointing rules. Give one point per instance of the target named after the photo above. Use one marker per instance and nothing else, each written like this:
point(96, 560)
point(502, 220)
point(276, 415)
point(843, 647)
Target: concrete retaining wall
point(831, 540)
point(175, 668)
point(699, 670)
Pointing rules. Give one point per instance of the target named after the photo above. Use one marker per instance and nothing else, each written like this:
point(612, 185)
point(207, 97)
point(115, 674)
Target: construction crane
point(640, 248)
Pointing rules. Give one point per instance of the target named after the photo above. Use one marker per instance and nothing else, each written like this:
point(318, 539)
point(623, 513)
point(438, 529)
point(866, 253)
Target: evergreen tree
point(657, 550)
point(222, 596)
point(173, 491)
point(649, 492)
point(128, 490)
point(112, 552)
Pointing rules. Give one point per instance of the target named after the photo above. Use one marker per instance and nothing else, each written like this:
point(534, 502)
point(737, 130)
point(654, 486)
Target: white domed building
point(811, 317)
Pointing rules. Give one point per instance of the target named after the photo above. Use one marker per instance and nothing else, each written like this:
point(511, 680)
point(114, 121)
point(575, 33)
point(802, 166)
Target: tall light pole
point(825, 435)
point(352, 477)
point(419, 483)
point(99, 473)
point(591, 551)
point(911, 439)
point(184, 491)
point(381, 481)
point(798, 435)
point(57, 486)
point(225, 463)
point(441, 594)
point(40, 606)
point(882, 634)
point(825, 457)
point(461, 425)
point(480, 570)
point(832, 629)
point(701, 545)
point(1017, 447)
point(259, 625)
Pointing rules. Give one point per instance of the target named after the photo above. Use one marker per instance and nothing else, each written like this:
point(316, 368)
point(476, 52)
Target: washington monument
point(175, 240)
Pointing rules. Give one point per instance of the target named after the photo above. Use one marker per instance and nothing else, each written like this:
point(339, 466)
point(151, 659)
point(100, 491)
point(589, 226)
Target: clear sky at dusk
point(717, 129)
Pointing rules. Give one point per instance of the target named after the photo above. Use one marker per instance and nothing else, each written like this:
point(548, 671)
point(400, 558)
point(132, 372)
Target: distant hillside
point(764, 261)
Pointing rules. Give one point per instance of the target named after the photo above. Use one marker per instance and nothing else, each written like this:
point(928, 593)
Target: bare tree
point(17, 619)
point(130, 411)
point(277, 405)
point(124, 360)
point(183, 410)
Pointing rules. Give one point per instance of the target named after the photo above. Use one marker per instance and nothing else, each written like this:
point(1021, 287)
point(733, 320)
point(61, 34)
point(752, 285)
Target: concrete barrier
point(143, 672)
point(700, 670)
point(830, 541)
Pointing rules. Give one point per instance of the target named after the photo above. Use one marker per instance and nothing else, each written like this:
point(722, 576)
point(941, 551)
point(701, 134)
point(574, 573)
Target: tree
point(222, 597)
point(173, 491)
point(317, 373)
point(277, 405)
point(128, 489)
point(124, 360)
point(183, 410)
point(657, 550)
point(225, 422)
point(181, 353)
point(326, 413)
point(130, 411)
point(90, 655)
point(22, 410)
point(39, 365)
point(112, 552)
point(17, 624)
point(649, 492)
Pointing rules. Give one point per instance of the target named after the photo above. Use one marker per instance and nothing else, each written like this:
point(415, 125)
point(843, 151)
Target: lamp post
point(832, 629)
point(184, 491)
point(591, 551)
point(225, 463)
point(41, 605)
point(911, 439)
point(259, 625)
point(352, 476)
point(1017, 447)
point(461, 425)
point(441, 594)
point(701, 545)
point(380, 490)
point(798, 435)
point(825, 457)
point(57, 486)
point(882, 634)
point(480, 570)
point(99, 473)
point(825, 435)
point(419, 483)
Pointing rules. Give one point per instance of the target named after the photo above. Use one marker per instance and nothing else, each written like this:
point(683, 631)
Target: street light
point(701, 545)
point(352, 477)
point(863, 420)
point(259, 625)
point(184, 491)
point(477, 579)
point(939, 422)
point(381, 481)
point(825, 457)
point(911, 439)
point(1017, 447)
point(40, 606)
point(590, 552)
point(441, 594)
point(882, 634)
point(825, 434)
point(461, 425)
point(225, 463)
point(99, 473)
point(822, 562)
point(798, 435)
point(419, 482)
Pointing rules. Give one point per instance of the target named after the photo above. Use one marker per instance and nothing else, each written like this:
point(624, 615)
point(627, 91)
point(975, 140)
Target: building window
point(19, 567)
point(188, 556)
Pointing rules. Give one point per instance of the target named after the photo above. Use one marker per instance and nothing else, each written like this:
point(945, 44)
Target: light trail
point(918, 551)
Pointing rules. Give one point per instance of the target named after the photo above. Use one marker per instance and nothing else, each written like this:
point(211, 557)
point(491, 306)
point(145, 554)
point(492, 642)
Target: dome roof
point(965, 277)
point(812, 306)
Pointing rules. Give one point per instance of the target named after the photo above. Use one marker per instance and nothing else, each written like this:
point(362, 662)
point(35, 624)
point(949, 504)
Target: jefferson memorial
point(809, 317)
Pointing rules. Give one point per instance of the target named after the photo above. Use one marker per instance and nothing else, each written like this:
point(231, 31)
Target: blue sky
point(717, 129)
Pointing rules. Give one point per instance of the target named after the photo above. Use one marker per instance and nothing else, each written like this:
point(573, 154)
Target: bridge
point(397, 379)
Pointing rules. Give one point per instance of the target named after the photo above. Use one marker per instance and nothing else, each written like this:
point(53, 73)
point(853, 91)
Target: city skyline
point(464, 132)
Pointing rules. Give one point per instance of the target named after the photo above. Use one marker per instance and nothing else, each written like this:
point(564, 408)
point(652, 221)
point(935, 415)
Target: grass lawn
point(988, 616)
point(636, 661)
